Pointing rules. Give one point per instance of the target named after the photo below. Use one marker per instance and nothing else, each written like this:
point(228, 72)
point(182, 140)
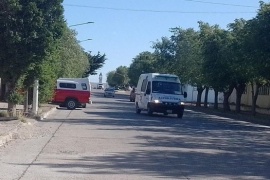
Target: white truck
point(161, 93)
point(72, 92)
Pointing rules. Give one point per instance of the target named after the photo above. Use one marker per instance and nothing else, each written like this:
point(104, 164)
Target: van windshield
point(166, 87)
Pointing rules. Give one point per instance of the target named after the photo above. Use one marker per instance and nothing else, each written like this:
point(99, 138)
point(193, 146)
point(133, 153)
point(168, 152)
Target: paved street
point(108, 140)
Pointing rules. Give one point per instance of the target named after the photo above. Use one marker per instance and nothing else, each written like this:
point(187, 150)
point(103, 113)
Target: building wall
point(263, 100)
point(192, 94)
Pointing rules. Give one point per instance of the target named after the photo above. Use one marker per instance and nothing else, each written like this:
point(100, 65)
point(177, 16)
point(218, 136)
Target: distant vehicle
point(109, 92)
point(72, 92)
point(100, 86)
point(160, 93)
point(132, 95)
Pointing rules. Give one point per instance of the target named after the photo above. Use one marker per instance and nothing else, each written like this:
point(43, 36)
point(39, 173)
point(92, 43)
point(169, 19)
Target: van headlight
point(181, 103)
point(156, 101)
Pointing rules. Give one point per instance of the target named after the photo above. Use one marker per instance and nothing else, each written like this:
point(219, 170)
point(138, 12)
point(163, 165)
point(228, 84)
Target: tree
point(110, 79)
point(239, 60)
point(120, 76)
point(96, 62)
point(164, 52)
point(66, 59)
point(71, 60)
point(142, 63)
point(257, 49)
point(217, 60)
point(189, 59)
point(23, 48)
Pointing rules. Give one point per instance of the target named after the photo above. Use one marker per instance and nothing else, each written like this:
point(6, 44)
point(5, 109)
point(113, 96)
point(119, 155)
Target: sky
point(124, 28)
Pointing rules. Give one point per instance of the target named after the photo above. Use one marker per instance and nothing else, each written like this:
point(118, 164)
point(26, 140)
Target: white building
point(192, 94)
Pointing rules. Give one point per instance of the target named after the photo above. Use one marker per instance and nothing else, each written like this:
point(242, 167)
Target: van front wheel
point(180, 115)
point(149, 111)
point(138, 110)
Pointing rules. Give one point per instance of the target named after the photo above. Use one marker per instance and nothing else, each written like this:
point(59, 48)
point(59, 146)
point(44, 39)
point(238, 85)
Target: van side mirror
point(185, 94)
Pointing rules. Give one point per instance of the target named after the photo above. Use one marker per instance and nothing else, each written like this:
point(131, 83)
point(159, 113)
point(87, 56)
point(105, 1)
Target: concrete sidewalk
point(9, 127)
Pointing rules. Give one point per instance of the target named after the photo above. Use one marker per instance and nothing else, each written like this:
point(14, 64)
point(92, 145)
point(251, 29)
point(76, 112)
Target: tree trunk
point(26, 102)
point(216, 99)
point(199, 96)
point(11, 105)
point(11, 85)
point(206, 97)
point(11, 109)
point(226, 105)
point(255, 93)
point(240, 88)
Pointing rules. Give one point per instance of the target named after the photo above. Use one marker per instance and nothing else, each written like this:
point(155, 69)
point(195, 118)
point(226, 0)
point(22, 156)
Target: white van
point(160, 93)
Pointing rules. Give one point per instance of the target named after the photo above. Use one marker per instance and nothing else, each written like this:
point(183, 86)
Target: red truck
point(72, 92)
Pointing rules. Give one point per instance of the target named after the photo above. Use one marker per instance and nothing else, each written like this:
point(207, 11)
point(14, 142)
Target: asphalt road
point(108, 140)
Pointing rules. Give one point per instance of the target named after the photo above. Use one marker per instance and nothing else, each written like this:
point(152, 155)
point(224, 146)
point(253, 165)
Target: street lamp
point(85, 40)
point(80, 24)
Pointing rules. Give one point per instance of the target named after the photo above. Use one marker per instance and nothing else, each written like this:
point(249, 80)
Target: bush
point(3, 114)
point(15, 97)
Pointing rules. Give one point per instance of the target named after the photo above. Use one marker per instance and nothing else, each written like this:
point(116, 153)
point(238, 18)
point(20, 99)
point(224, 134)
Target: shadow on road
point(197, 146)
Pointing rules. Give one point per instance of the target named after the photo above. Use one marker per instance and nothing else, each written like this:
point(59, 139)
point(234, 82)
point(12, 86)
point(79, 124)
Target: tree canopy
point(28, 30)
point(95, 63)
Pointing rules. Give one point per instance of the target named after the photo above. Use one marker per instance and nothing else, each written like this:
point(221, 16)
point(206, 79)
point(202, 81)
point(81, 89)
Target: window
point(148, 90)
point(144, 83)
point(67, 85)
point(264, 90)
point(84, 86)
point(166, 87)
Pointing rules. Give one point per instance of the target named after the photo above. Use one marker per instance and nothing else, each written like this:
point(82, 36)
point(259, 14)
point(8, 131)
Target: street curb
point(231, 115)
point(8, 118)
point(12, 134)
point(45, 114)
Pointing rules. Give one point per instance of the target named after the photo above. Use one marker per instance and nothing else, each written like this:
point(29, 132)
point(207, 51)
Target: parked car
point(72, 92)
point(109, 92)
point(132, 95)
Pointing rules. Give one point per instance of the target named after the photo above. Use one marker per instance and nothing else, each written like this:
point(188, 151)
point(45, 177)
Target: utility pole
point(35, 98)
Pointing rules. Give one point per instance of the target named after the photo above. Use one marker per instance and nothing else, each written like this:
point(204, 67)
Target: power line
point(80, 24)
point(154, 11)
point(223, 4)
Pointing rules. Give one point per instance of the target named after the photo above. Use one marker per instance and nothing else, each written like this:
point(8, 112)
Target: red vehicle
point(72, 92)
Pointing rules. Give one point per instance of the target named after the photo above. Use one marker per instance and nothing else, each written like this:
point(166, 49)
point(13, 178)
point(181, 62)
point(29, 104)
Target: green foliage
point(3, 114)
point(110, 79)
point(95, 63)
point(217, 60)
point(164, 52)
point(188, 56)
point(15, 97)
point(120, 76)
point(257, 43)
point(71, 61)
point(47, 80)
point(142, 63)
point(24, 48)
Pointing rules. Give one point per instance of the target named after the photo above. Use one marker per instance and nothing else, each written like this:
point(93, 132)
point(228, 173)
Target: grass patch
point(23, 120)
